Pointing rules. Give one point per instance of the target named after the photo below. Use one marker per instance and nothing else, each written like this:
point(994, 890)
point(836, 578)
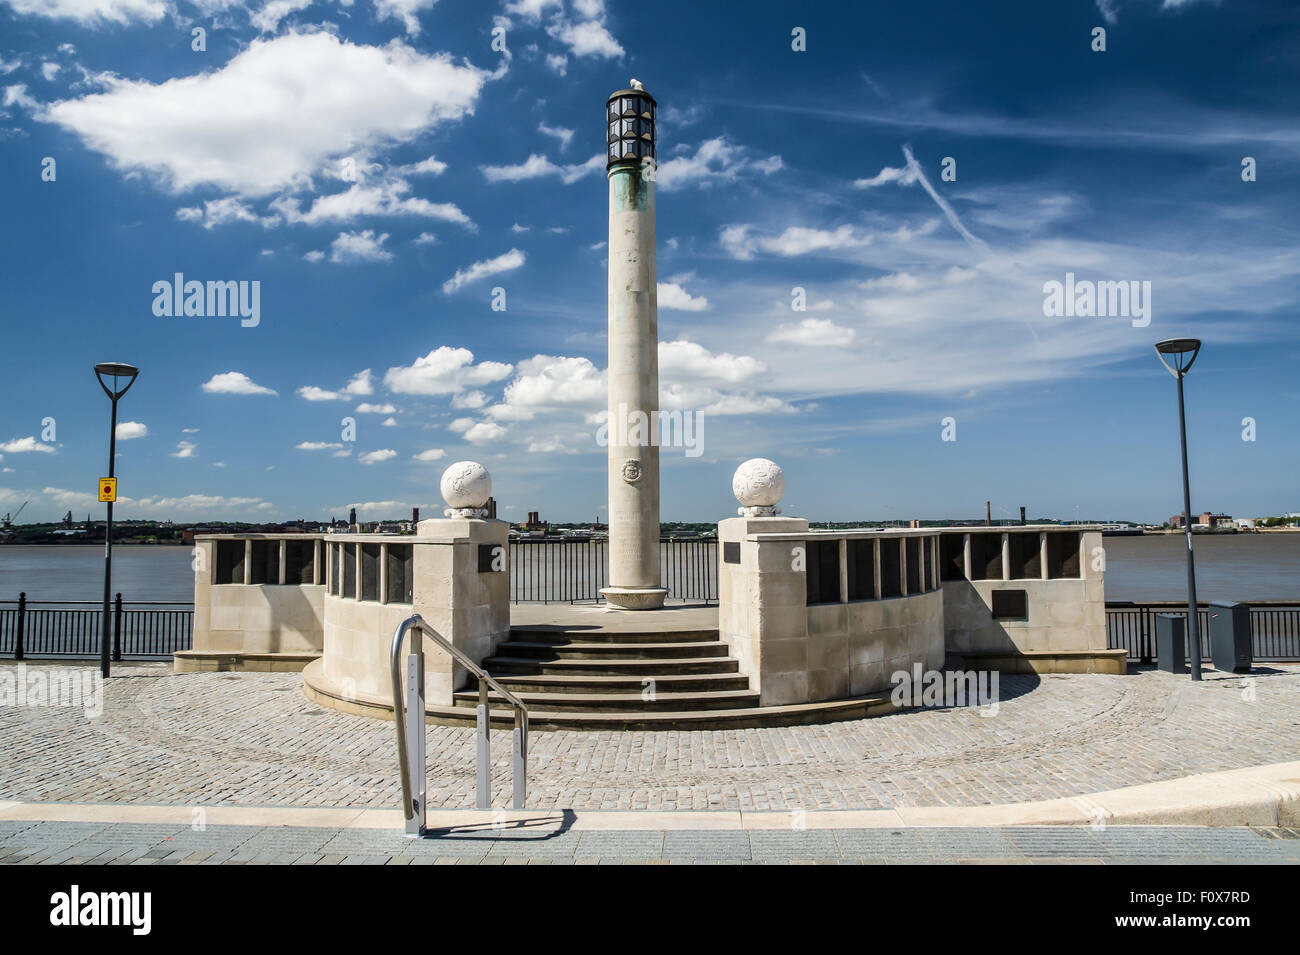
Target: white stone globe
point(466, 484)
point(758, 482)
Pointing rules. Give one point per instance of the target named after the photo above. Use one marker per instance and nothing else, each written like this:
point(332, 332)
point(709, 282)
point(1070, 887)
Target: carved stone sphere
point(466, 484)
point(758, 482)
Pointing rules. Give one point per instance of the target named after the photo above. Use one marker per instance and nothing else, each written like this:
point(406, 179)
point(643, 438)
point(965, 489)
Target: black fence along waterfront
point(1274, 624)
point(139, 629)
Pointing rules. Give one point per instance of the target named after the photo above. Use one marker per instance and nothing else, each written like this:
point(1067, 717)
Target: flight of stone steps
point(598, 677)
point(633, 678)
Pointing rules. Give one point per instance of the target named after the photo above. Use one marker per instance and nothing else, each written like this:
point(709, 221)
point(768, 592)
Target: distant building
point(1205, 519)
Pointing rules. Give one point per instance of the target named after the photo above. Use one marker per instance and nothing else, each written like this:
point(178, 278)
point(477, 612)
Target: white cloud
point(532, 9)
point(375, 457)
point(560, 64)
point(469, 400)
point(367, 408)
point(536, 166)
point(388, 423)
point(50, 70)
point(234, 383)
point(904, 176)
point(92, 12)
point(126, 430)
point(558, 132)
point(239, 127)
point(444, 371)
point(403, 10)
point(362, 383)
point(549, 382)
point(673, 296)
point(312, 393)
point(317, 445)
point(433, 166)
point(813, 332)
point(741, 242)
point(362, 246)
point(185, 449)
point(687, 362)
point(432, 454)
point(485, 432)
point(506, 262)
point(269, 17)
point(716, 160)
point(425, 238)
point(24, 445)
point(386, 198)
point(586, 39)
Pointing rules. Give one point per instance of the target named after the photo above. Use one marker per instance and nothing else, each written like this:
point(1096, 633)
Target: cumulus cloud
point(536, 166)
point(185, 449)
point(671, 295)
point(25, 445)
point(506, 262)
point(813, 332)
point(687, 362)
point(234, 383)
point(715, 160)
point(238, 128)
point(317, 445)
point(126, 430)
point(93, 13)
point(375, 457)
point(444, 371)
point(432, 454)
point(362, 246)
point(589, 38)
point(742, 242)
point(387, 198)
point(367, 408)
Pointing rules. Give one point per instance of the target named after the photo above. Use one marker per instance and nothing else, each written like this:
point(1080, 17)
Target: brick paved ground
point(254, 739)
point(48, 843)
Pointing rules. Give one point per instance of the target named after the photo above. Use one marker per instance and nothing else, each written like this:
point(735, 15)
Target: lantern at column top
point(630, 117)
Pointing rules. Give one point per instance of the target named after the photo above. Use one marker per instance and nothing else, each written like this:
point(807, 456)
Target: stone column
point(633, 422)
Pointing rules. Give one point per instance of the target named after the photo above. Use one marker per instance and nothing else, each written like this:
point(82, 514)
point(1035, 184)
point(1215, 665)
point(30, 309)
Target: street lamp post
point(1182, 352)
point(114, 370)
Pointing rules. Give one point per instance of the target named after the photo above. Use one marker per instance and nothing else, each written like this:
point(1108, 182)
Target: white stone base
point(629, 598)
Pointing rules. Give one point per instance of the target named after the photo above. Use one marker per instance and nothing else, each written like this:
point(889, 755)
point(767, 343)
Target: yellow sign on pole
point(108, 489)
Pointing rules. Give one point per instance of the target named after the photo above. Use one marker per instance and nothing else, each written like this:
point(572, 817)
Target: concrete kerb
point(1255, 796)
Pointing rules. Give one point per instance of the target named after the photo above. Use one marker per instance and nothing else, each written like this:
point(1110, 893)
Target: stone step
point(664, 683)
point(737, 718)
point(600, 634)
point(609, 651)
point(540, 704)
point(504, 664)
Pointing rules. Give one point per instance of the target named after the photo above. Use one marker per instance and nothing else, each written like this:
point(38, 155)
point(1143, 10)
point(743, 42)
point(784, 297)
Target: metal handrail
point(411, 758)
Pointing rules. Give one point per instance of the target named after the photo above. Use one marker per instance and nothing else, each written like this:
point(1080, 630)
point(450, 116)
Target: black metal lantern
point(630, 118)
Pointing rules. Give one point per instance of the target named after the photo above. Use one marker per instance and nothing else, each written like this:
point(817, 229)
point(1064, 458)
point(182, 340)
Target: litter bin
point(1231, 647)
point(1171, 643)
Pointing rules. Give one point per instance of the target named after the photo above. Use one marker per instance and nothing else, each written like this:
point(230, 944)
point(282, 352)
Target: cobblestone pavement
point(254, 739)
point(51, 843)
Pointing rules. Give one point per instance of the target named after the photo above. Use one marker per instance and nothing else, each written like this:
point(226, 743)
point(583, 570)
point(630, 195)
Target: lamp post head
point(116, 370)
point(630, 122)
point(1182, 352)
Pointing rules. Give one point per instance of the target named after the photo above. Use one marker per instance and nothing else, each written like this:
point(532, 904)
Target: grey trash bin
point(1231, 646)
point(1171, 643)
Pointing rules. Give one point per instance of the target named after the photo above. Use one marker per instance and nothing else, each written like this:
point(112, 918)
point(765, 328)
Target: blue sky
point(380, 168)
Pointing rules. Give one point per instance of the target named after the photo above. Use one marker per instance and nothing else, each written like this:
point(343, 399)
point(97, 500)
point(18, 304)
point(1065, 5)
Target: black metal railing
point(572, 571)
point(141, 629)
point(1275, 625)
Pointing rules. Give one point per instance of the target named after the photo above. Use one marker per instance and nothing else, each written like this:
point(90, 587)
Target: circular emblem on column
point(631, 470)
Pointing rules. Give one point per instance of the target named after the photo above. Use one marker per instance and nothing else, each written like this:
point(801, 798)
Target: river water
point(1228, 567)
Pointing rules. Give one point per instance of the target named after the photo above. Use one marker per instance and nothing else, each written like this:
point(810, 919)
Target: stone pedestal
point(762, 606)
